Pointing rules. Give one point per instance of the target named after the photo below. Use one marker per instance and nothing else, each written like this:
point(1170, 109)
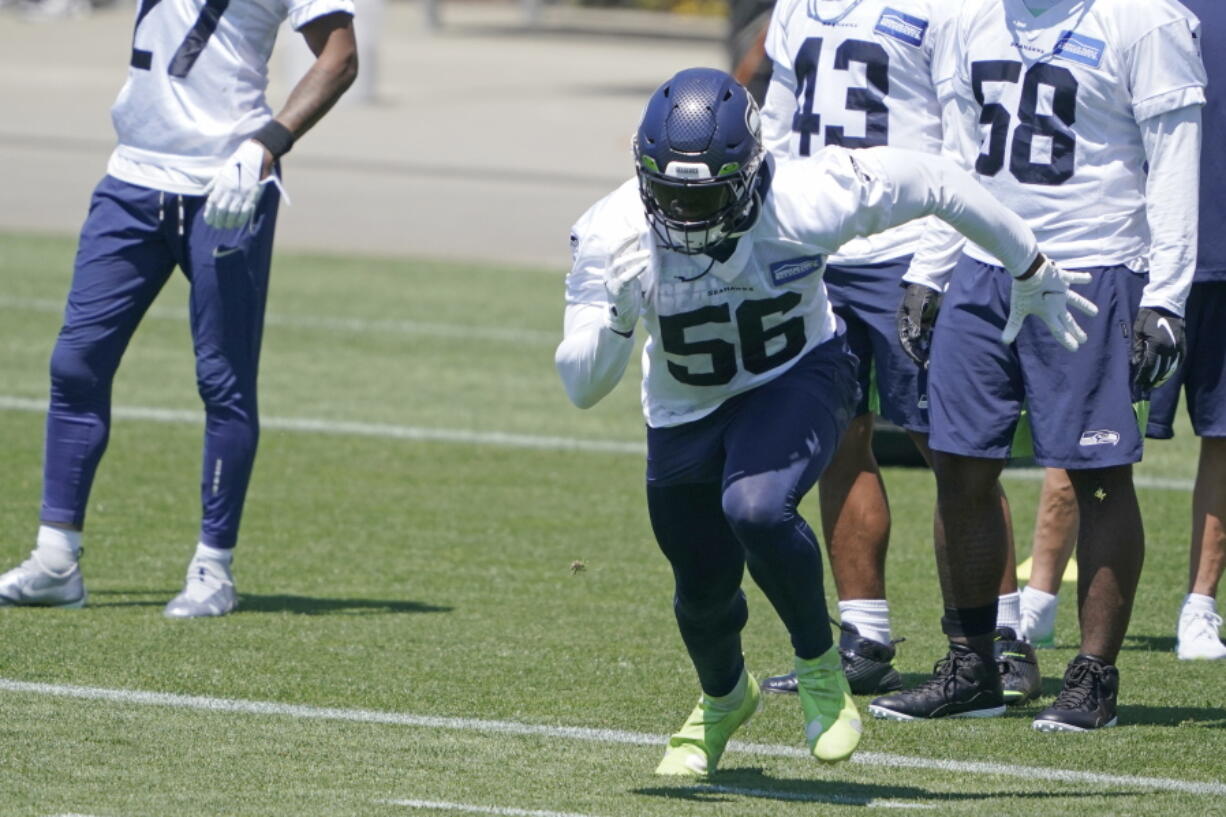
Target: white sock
point(871, 617)
point(1009, 612)
point(1038, 601)
point(212, 554)
point(58, 548)
point(1195, 602)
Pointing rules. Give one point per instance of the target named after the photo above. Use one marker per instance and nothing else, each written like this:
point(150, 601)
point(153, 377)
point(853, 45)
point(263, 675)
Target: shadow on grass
point(1201, 717)
point(276, 603)
point(724, 786)
point(1150, 643)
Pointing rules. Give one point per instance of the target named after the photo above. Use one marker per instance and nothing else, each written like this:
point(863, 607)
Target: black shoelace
point(944, 674)
point(1080, 686)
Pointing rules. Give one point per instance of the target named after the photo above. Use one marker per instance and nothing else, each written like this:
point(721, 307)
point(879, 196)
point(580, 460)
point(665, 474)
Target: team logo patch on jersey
point(1102, 436)
point(893, 23)
point(1080, 48)
point(783, 272)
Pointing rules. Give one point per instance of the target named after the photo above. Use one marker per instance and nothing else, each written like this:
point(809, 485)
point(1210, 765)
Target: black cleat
point(1018, 666)
point(780, 684)
point(962, 685)
point(1087, 700)
point(868, 665)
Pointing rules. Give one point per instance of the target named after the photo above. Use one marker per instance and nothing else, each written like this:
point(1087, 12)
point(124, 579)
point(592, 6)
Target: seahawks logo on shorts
point(784, 272)
point(1104, 436)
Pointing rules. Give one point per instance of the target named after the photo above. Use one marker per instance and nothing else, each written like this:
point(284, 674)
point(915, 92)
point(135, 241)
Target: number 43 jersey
point(196, 83)
point(1059, 97)
point(856, 73)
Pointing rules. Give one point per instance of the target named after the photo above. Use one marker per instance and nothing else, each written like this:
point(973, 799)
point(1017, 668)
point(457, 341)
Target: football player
point(1203, 378)
point(748, 383)
point(193, 184)
point(859, 73)
point(1065, 105)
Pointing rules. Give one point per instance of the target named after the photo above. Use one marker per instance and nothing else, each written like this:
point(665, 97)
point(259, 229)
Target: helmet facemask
point(691, 211)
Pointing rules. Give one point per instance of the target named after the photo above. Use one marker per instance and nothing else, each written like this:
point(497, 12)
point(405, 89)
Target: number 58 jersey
point(856, 73)
point(1059, 97)
point(195, 87)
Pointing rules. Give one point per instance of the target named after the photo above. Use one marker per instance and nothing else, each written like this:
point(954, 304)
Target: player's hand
point(1158, 347)
point(1046, 294)
point(625, 290)
point(235, 191)
point(917, 315)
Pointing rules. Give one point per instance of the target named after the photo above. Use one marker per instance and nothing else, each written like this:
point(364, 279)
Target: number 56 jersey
point(856, 73)
point(1059, 97)
point(195, 88)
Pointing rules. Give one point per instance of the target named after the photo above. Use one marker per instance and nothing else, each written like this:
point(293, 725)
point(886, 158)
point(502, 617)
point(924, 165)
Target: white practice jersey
point(716, 329)
point(856, 73)
point(1060, 96)
point(195, 88)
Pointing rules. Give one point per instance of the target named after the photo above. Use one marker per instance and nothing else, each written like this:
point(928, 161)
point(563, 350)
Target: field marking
point(381, 430)
point(502, 811)
point(208, 704)
point(332, 323)
point(465, 437)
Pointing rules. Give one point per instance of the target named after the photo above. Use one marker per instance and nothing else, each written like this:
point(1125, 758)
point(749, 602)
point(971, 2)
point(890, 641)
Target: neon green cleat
point(832, 722)
point(695, 750)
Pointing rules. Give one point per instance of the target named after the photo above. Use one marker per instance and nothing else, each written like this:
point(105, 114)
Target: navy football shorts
point(800, 415)
point(1080, 404)
point(1203, 374)
point(867, 297)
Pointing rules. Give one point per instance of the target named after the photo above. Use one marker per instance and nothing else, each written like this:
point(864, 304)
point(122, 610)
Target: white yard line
point(501, 811)
point(230, 705)
point(465, 437)
point(331, 323)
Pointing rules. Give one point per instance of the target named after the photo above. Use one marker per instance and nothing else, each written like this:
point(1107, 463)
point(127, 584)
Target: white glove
point(235, 191)
point(621, 283)
point(1047, 295)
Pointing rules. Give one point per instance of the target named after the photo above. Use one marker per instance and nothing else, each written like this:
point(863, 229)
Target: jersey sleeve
point(928, 185)
point(592, 358)
point(1165, 69)
point(1172, 147)
point(301, 12)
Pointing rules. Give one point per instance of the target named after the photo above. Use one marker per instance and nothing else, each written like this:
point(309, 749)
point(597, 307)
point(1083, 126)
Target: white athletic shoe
point(31, 584)
point(1197, 635)
point(208, 591)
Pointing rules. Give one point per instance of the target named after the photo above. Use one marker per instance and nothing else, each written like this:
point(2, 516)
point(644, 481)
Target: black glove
point(1158, 347)
point(917, 315)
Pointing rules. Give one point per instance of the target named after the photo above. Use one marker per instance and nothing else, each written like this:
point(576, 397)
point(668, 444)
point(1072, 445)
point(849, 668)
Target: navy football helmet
point(697, 154)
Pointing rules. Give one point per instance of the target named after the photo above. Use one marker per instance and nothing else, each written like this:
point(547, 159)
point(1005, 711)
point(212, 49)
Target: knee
point(74, 377)
point(221, 387)
point(712, 609)
point(965, 479)
point(756, 516)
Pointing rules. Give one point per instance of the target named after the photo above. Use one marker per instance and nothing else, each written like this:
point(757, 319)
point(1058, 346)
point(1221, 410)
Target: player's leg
point(1083, 420)
point(684, 500)
point(854, 508)
point(228, 271)
point(975, 393)
point(782, 436)
point(122, 262)
point(1205, 372)
point(1055, 536)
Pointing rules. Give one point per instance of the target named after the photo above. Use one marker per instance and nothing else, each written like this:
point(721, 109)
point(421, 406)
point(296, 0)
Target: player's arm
point(779, 107)
point(235, 192)
point(1167, 84)
point(604, 299)
point(920, 185)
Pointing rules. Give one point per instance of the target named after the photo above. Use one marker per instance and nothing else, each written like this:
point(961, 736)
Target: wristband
point(276, 137)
